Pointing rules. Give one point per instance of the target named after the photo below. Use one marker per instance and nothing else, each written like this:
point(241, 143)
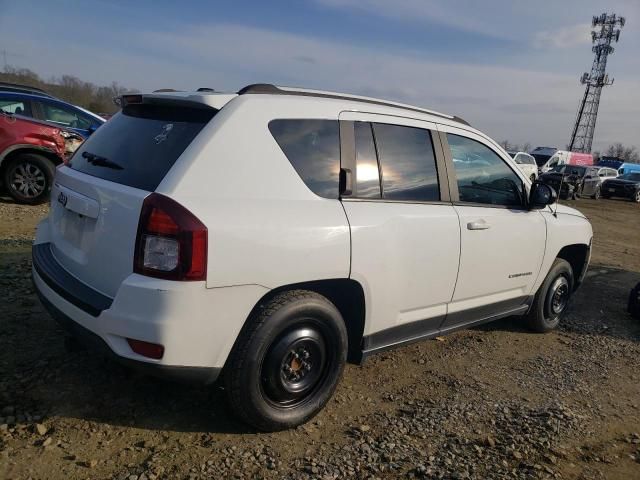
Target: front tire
point(532, 178)
point(28, 178)
point(636, 197)
point(287, 361)
point(552, 297)
point(596, 194)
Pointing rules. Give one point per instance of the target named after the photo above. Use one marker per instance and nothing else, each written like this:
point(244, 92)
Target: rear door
point(404, 230)
point(502, 242)
point(97, 197)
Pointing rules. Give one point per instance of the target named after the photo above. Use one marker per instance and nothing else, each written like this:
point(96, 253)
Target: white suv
point(274, 234)
point(526, 163)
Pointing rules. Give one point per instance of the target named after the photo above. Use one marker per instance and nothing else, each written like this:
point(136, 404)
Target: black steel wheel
point(287, 361)
point(552, 298)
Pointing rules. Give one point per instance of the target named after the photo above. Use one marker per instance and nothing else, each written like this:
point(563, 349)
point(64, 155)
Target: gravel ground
point(495, 402)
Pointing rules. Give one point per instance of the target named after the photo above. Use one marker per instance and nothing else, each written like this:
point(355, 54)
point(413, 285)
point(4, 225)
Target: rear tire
point(552, 297)
point(532, 178)
point(636, 197)
point(287, 361)
point(28, 178)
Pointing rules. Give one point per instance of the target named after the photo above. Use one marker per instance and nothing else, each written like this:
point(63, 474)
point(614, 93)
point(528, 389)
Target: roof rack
point(270, 89)
point(18, 88)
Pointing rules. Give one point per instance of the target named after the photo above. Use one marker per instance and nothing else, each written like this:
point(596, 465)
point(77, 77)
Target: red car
point(29, 152)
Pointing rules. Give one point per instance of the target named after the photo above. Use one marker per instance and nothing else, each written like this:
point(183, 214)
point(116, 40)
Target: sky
point(511, 68)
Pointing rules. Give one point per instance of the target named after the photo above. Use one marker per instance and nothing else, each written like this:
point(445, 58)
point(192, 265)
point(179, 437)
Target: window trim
point(453, 181)
point(348, 158)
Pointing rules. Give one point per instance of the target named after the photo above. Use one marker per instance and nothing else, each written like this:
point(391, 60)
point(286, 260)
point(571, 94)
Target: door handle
point(478, 225)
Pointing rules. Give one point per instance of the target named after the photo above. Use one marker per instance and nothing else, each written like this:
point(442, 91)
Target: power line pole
point(582, 134)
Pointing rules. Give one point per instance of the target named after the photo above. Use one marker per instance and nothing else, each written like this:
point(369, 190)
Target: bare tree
point(628, 154)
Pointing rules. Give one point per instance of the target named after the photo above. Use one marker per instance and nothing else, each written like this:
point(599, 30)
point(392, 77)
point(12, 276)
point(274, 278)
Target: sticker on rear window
point(166, 129)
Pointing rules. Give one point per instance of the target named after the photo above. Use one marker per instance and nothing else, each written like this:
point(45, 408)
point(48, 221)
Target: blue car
point(49, 109)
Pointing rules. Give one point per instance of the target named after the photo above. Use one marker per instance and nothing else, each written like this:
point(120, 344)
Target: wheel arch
point(578, 257)
point(16, 150)
point(348, 297)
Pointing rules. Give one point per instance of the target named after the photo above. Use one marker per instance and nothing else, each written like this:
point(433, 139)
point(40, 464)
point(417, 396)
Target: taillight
point(171, 242)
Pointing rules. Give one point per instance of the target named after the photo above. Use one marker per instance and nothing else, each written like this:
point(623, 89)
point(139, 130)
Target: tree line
point(96, 98)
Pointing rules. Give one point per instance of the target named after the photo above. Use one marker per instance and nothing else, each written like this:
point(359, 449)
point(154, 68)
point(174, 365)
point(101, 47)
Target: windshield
point(569, 170)
point(634, 177)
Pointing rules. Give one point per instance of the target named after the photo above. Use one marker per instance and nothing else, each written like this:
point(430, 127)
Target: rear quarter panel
point(265, 226)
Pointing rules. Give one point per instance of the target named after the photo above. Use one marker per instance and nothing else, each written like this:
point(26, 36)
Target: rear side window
point(313, 149)
point(138, 146)
point(407, 162)
point(17, 107)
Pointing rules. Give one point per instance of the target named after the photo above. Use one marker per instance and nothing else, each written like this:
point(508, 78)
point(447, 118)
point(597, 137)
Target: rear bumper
point(96, 344)
point(197, 326)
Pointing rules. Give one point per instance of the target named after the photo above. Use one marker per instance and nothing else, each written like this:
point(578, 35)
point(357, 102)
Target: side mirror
point(541, 195)
point(92, 128)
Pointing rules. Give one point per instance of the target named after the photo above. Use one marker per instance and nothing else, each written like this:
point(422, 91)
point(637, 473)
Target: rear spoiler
point(199, 100)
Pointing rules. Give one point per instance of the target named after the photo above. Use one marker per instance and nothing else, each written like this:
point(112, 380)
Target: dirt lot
point(492, 402)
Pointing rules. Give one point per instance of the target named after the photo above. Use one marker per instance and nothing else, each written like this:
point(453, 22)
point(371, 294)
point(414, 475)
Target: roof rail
point(23, 88)
point(268, 88)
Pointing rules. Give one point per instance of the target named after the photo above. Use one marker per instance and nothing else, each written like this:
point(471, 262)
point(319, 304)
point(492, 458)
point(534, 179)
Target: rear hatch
point(97, 198)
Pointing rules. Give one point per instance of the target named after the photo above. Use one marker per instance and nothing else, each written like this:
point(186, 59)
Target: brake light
point(171, 242)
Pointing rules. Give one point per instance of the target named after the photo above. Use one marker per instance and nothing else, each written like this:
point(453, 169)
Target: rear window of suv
point(139, 145)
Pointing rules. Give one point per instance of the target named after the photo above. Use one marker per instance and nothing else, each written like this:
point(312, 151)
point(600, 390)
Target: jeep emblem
point(62, 199)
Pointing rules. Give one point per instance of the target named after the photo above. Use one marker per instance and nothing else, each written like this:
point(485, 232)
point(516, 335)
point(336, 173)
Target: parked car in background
point(50, 109)
point(526, 163)
point(542, 154)
point(625, 186)
point(573, 181)
point(275, 233)
point(628, 168)
point(611, 162)
point(29, 152)
point(606, 172)
point(563, 157)
point(16, 88)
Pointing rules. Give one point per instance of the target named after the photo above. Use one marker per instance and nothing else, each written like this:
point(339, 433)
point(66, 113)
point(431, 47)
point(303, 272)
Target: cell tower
point(582, 135)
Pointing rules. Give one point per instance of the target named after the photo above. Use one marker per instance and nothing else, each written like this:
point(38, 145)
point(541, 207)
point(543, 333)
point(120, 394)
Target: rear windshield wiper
point(99, 161)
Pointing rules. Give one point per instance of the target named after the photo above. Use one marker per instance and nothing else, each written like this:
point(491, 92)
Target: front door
point(405, 234)
point(502, 242)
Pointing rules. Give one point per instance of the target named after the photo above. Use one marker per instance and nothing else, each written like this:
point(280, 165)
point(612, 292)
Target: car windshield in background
point(569, 170)
point(138, 146)
point(634, 177)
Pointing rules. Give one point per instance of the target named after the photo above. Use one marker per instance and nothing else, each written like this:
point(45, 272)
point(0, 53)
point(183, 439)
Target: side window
point(407, 162)
point(368, 175)
point(15, 106)
point(482, 176)
point(63, 116)
point(313, 148)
